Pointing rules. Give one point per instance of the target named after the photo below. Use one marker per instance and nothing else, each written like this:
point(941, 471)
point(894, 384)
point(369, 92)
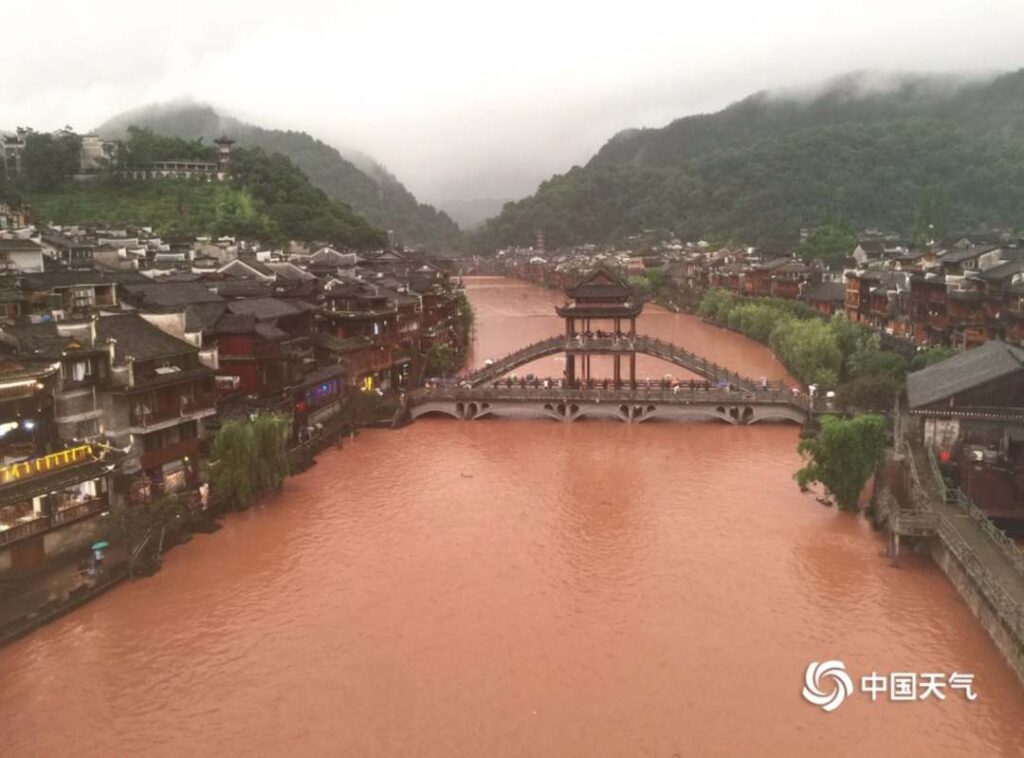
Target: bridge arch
point(666, 351)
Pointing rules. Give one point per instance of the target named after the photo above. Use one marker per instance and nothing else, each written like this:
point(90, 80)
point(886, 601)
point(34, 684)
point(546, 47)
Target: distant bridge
point(666, 351)
point(623, 404)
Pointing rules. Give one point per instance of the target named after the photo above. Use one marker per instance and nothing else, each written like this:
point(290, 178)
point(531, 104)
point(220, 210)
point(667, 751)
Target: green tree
point(49, 159)
point(233, 465)
point(843, 456)
point(134, 523)
point(932, 216)
point(931, 356)
point(831, 242)
point(270, 439)
point(810, 350)
point(440, 360)
point(869, 392)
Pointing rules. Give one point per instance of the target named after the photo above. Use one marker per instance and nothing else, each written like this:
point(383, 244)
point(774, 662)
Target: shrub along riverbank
point(834, 354)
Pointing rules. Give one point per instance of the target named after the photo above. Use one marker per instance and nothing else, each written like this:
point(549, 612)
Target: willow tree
point(249, 458)
point(270, 437)
point(233, 465)
point(843, 456)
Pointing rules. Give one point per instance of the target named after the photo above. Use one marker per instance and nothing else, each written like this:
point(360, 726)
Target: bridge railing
point(675, 396)
point(651, 345)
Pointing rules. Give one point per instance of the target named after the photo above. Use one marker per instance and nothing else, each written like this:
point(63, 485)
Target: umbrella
point(100, 545)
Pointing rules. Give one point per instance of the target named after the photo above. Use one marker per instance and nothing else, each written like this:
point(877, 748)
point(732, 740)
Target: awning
point(43, 484)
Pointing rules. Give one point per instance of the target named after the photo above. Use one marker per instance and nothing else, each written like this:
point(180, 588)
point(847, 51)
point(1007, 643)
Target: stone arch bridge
point(622, 404)
point(734, 399)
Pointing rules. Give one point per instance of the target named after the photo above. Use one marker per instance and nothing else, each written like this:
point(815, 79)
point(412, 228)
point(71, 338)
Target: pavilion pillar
point(570, 369)
point(617, 365)
point(632, 327)
point(632, 370)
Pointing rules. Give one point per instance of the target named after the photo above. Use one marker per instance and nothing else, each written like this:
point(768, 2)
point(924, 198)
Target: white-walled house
point(24, 256)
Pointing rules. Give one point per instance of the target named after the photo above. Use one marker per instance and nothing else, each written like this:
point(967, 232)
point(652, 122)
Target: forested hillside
point(370, 190)
point(932, 150)
point(267, 196)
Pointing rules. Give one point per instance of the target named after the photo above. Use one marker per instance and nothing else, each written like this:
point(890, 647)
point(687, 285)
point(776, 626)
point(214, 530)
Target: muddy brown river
point(520, 588)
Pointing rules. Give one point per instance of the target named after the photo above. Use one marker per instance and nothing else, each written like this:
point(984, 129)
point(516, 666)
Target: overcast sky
point(469, 98)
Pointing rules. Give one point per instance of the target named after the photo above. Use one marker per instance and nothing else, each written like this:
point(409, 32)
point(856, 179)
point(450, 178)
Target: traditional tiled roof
point(268, 308)
point(19, 246)
point(42, 340)
point(971, 368)
point(1003, 271)
point(170, 294)
point(826, 292)
point(602, 283)
point(139, 339)
point(50, 279)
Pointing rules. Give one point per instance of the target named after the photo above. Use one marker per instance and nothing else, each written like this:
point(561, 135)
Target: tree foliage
point(931, 356)
point(440, 359)
point(355, 180)
point(268, 197)
point(760, 170)
point(831, 241)
point(48, 158)
point(233, 475)
point(248, 458)
point(831, 354)
point(843, 456)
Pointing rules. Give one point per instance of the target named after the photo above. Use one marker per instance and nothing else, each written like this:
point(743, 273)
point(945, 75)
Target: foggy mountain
point(354, 178)
point(861, 147)
point(469, 214)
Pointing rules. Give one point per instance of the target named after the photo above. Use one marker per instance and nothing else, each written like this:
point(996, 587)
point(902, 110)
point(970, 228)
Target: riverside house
point(53, 491)
point(160, 393)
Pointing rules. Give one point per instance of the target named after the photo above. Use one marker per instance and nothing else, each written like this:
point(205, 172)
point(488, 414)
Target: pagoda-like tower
point(223, 144)
point(601, 319)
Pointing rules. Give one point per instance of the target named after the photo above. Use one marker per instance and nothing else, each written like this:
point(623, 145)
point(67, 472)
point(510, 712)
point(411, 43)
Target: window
point(80, 370)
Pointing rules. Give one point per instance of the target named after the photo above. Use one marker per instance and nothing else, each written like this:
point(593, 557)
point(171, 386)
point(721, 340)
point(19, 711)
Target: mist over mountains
point(863, 147)
point(354, 178)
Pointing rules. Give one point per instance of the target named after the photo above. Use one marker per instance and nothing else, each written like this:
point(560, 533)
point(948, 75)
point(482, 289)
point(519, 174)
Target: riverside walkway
point(986, 567)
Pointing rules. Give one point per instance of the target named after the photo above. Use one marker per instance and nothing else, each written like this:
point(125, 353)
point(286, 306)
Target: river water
point(519, 588)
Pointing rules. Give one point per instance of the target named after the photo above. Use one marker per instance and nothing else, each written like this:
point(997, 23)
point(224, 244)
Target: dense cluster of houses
point(961, 293)
point(120, 351)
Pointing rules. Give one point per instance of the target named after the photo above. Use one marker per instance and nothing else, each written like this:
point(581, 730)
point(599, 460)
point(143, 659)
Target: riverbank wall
point(985, 568)
point(977, 592)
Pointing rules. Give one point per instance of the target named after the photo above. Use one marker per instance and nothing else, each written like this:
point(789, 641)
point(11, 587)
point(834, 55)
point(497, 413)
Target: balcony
point(82, 510)
point(23, 530)
point(16, 472)
point(60, 518)
point(145, 417)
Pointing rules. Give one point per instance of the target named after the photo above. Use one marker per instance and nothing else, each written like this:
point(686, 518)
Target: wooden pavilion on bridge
point(596, 322)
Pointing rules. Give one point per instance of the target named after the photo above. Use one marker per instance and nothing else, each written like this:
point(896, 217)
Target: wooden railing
point(76, 512)
point(171, 411)
point(59, 518)
point(27, 529)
